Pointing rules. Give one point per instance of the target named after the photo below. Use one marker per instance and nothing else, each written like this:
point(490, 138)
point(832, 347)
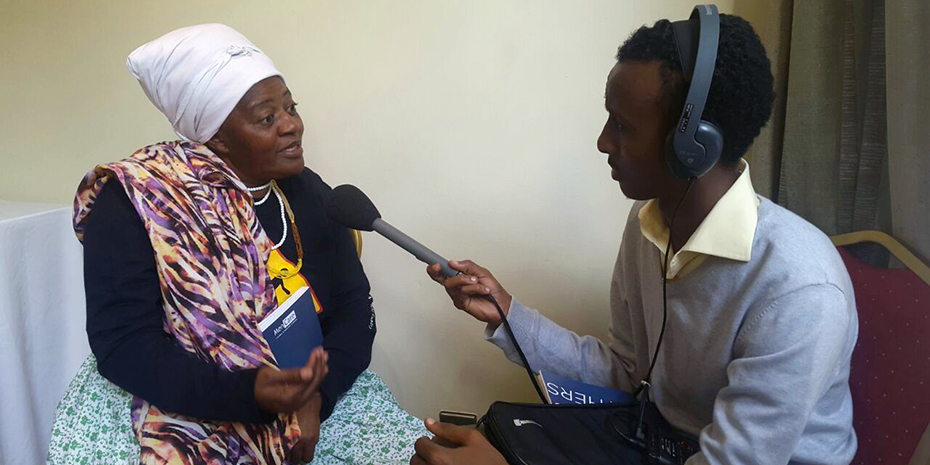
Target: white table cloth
point(42, 336)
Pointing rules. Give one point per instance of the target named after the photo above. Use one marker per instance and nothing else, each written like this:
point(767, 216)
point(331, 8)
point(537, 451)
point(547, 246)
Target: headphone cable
point(644, 384)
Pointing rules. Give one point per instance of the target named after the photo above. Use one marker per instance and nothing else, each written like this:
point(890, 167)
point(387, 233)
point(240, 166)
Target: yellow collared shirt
point(726, 232)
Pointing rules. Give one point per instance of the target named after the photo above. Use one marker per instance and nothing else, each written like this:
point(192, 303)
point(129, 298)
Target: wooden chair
point(890, 370)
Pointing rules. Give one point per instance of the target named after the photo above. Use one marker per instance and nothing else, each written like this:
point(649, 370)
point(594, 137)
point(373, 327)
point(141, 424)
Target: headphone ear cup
point(676, 165)
point(709, 136)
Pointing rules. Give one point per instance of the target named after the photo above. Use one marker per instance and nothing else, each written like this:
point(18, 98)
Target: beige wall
point(471, 124)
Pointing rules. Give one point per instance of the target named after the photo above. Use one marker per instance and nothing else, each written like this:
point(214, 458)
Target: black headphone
point(693, 147)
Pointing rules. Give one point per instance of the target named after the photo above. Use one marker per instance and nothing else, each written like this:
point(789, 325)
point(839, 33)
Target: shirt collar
point(726, 232)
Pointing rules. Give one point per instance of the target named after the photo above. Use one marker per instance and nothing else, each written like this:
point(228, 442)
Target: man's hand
point(469, 288)
point(285, 391)
point(473, 448)
point(308, 417)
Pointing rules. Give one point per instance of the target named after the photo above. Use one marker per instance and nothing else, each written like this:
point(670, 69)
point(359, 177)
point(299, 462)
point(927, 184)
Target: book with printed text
point(293, 329)
point(561, 390)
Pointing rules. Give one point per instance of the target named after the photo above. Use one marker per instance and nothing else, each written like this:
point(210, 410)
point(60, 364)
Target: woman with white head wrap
point(196, 76)
point(189, 244)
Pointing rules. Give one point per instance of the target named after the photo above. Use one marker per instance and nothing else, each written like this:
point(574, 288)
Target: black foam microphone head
point(350, 207)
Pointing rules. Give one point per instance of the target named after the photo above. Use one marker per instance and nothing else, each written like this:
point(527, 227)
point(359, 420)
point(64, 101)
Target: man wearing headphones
point(745, 328)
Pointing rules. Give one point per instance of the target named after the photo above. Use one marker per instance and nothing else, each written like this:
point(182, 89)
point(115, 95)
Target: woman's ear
point(217, 144)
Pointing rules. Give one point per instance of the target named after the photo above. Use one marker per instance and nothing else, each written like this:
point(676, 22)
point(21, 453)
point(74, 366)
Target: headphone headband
point(686, 143)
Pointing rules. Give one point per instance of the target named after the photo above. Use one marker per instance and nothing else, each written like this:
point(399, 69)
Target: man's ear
point(217, 144)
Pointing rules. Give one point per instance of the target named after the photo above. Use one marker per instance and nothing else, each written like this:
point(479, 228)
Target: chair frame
point(896, 248)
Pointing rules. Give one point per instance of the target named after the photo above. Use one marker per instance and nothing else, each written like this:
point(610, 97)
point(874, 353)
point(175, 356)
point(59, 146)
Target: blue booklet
point(293, 329)
point(561, 390)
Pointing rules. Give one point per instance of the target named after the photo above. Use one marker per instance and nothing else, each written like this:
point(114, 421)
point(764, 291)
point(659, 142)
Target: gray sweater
point(755, 358)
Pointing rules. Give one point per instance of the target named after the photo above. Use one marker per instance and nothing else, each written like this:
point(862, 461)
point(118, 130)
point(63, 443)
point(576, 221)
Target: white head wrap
point(196, 75)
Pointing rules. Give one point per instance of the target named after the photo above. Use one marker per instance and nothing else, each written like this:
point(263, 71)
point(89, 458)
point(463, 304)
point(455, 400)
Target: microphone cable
point(645, 382)
point(516, 345)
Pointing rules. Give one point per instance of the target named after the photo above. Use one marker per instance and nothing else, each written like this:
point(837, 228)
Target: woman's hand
point(308, 417)
point(473, 448)
point(285, 391)
point(468, 290)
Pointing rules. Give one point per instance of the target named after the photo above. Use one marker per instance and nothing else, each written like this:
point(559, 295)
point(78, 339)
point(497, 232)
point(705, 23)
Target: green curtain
point(846, 148)
point(907, 62)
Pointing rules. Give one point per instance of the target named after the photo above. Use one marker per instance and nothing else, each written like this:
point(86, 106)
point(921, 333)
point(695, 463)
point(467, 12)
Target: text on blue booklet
point(293, 330)
point(561, 390)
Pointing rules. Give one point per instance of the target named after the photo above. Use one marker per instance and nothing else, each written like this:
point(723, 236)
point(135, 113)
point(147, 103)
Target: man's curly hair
point(741, 93)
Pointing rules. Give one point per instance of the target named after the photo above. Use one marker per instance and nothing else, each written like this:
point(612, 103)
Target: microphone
point(350, 207)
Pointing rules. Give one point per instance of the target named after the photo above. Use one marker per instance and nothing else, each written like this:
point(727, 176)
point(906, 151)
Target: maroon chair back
point(890, 372)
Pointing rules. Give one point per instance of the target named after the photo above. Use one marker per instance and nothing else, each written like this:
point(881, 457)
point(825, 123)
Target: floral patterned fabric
point(93, 425)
